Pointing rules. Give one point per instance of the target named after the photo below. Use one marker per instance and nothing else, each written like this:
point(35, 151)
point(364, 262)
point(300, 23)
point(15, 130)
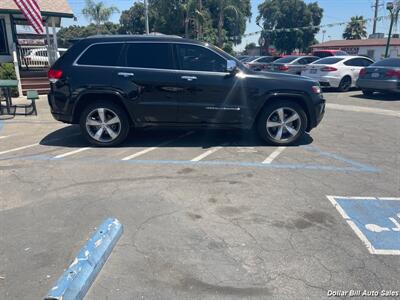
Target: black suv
point(109, 84)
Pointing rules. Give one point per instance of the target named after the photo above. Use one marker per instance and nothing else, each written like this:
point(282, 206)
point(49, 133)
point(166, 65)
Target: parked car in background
point(382, 76)
point(337, 71)
point(261, 63)
point(113, 83)
point(247, 58)
point(291, 64)
point(327, 53)
point(39, 57)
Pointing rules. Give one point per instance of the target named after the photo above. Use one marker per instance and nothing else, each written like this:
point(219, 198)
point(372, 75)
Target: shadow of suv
point(109, 84)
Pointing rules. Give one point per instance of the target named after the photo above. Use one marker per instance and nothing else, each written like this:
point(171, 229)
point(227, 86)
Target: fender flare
point(114, 93)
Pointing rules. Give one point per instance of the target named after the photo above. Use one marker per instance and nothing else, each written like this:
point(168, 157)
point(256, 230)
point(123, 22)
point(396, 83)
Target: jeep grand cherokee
point(110, 84)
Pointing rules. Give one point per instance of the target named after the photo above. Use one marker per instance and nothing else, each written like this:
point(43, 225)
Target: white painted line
point(379, 111)
point(274, 155)
point(207, 153)
point(140, 153)
point(19, 148)
point(4, 137)
point(72, 153)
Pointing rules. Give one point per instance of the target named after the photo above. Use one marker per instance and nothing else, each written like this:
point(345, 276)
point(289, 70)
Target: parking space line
point(72, 153)
point(140, 153)
point(207, 153)
point(274, 155)
point(19, 148)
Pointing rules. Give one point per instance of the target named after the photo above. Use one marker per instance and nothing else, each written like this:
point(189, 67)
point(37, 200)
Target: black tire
point(267, 134)
point(367, 92)
point(121, 129)
point(345, 84)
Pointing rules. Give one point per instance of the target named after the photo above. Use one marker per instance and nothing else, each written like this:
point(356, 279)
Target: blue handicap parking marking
point(376, 221)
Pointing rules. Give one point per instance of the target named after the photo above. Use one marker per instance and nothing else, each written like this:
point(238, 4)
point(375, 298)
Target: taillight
point(363, 71)
point(54, 75)
point(393, 73)
point(283, 68)
point(328, 69)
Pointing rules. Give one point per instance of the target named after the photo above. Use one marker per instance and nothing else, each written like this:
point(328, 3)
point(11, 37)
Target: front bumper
point(325, 81)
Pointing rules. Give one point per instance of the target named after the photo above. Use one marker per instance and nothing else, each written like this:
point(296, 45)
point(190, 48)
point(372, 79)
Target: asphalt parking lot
point(206, 214)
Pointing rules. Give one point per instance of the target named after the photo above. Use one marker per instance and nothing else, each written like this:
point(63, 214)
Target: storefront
point(373, 48)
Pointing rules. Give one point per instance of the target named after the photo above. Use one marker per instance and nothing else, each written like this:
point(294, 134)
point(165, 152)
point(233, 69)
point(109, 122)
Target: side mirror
point(231, 66)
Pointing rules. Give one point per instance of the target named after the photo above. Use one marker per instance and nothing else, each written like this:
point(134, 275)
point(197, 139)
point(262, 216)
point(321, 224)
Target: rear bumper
point(379, 85)
point(57, 113)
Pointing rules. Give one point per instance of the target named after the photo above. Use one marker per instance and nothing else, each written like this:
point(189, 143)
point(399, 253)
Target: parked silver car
point(291, 64)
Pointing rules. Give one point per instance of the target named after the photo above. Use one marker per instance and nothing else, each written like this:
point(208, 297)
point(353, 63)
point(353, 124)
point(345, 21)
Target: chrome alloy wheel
point(283, 124)
point(103, 125)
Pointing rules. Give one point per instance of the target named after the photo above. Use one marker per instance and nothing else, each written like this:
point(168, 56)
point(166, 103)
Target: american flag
point(31, 11)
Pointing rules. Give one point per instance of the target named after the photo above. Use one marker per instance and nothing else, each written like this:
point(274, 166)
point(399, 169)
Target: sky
point(334, 11)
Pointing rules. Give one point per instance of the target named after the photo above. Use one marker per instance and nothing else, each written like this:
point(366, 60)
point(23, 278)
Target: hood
point(283, 76)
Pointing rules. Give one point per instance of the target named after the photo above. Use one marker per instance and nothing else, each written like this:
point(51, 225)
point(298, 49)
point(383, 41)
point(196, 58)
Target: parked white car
point(39, 57)
point(337, 71)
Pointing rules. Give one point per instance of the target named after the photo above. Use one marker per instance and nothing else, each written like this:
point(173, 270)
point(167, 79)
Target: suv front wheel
point(104, 124)
point(282, 123)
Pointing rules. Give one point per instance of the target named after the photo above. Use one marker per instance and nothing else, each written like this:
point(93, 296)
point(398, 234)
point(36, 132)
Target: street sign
point(376, 221)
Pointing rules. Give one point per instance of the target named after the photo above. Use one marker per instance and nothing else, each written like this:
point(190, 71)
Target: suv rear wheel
point(282, 123)
point(104, 124)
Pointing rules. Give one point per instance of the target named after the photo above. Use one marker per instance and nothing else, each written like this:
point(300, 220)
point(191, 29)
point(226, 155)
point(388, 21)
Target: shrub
point(7, 71)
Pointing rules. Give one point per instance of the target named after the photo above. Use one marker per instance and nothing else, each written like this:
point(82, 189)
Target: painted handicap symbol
point(377, 228)
point(376, 221)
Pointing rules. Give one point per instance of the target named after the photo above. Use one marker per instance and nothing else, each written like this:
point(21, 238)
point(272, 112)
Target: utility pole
point(146, 12)
point(376, 7)
point(394, 9)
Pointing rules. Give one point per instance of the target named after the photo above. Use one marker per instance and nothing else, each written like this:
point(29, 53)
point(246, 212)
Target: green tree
point(355, 29)
point(133, 20)
point(287, 14)
point(98, 12)
point(67, 35)
point(249, 47)
point(229, 17)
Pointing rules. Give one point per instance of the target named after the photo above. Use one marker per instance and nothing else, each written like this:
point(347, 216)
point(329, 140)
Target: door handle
point(126, 75)
point(189, 78)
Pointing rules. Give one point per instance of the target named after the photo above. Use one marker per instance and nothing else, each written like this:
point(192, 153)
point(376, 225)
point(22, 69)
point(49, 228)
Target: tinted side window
point(353, 62)
point(302, 61)
point(367, 62)
point(195, 58)
point(265, 60)
point(358, 62)
point(149, 55)
point(101, 55)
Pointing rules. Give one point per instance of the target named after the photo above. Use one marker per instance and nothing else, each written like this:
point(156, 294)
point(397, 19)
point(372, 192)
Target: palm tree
point(224, 5)
point(192, 11)
point(98, 12)
point(355, 29)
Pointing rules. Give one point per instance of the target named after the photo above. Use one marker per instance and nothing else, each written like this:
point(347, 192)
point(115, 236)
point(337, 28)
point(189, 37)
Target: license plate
point(375, 75)
point(313, 71)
